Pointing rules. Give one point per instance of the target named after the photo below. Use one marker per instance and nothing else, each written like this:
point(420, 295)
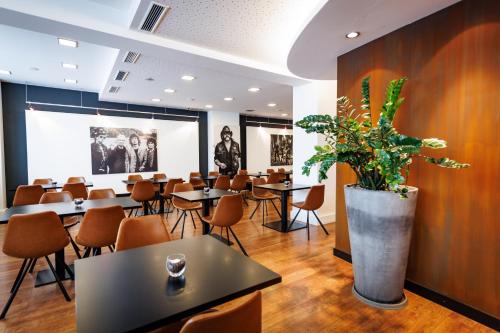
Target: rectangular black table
point(131, 291)
point(55, 186)
point(284, 190)
point(64, 209)
point(265, 174)
point(160, 182)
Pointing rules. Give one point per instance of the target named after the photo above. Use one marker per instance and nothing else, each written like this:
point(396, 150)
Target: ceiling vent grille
point(154, 16)
point(121, 76)
point(131, 57)
point(114, 89)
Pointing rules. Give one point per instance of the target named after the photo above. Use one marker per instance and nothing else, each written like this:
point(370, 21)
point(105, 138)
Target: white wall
point(59, 146)
point(317, 97)
point(215, 121)
point(259, 148)
point(2, 158)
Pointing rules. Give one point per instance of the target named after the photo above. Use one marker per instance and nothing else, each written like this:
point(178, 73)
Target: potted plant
point(380, 207)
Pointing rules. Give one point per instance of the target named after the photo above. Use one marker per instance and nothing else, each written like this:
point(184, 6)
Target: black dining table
point(160, 182)
point(265, 174)
point(64, 209)
point(210, 180)
point(133, 292)
point(55, 186)
point(282, 224)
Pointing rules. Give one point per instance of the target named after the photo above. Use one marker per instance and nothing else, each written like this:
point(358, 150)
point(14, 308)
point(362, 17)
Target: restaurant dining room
point(225, 166)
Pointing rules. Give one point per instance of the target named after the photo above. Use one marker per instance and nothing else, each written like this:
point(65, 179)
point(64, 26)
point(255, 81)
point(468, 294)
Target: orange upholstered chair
point(102, 193)
point(167, 192)
point(144, 192)
point(135, 178)
point(239, 185)
point(27, 195)
point(274, 178)
point(213, 173)
point(243, 172)
point(262, 196)
point(222, 183)
point(78, 190)
point(141, 231)
point(33, 236)
point(282, 171)
point(99, 228)
point(243, 318)
point(196, 180)
point(158, 176)
point(185, 206)
point(228, 212)
point(314, 200)
point(76, 180)
point(44, 181)
point(269, 171)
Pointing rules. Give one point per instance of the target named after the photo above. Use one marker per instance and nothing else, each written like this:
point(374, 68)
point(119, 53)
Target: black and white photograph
point(123, 150)
point(227, 152)
point(281, 149)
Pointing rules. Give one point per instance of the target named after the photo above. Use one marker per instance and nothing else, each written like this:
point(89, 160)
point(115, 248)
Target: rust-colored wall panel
point(452, 60)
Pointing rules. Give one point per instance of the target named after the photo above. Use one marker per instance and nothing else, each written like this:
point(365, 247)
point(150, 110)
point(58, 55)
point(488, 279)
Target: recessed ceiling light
point(150, 79)
point(67, 42)
point(69, 66)
point(228, 99)
point(5, 72)
point(169, 90)
point(71, 81)
point(352, 34)
point(284, 114)
point(254, 89)
point(156, 100)
point(188, 77)
point(209, 106)
point(271, 105)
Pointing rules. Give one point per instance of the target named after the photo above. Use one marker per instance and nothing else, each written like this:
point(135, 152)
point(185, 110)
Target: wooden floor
point(315, 295)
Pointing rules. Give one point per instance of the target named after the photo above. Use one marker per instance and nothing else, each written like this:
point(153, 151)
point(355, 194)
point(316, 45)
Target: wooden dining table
point(64, 209)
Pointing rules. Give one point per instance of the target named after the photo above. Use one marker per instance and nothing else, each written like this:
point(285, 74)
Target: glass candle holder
point(206, 190)
point(286, 182)
point(78, 202)
point(176, 265)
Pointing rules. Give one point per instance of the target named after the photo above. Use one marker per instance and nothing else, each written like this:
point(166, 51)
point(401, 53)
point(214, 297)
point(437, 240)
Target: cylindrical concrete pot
point(380, 227)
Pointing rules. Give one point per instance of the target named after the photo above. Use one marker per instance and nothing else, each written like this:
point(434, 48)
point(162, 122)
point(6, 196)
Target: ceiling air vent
point(249, 110)
point(114, 89)
point(131, 57)
point(121, 76)
point(154, 16)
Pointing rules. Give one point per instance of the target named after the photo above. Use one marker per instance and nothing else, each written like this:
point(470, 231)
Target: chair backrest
point(181, 187)
point(213, 173)
point(229, 211)
point(135, 178)
point(169, 188)
point(274, 178)
point(158, 176)
point(51, 197)
point(243, 172)
point(258, 191)
point(315, 197)
point(27, 195)
point(99, 226)
point(239, 183)
point(243, 318)
point(195, 179)
point(76, 180)
point(143, 191)
point(42, 181)
point(270, 170)
point(102, 193)
point(141, 231)
point(281, 170)
point(34, 235)
point(194, 174)
point(78, 190)
point(222, 183)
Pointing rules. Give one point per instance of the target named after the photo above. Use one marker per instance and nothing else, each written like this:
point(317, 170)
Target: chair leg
point(238, 241)
point(211, 228)
point(110, 249)
point(183, 223)
point(293, 221)
point(227, 234)
point(175, 225)
point(192, 219)
point(263, 214)
point(308, 237)
point(75, 247)
point(61, 286)
point(267, 210)
point(32, 266)
point(256, 207)
point(199, 216)
point(15, 288)
point(86, 254)
point(276, 208)
point(25, 261)
point(320, 223)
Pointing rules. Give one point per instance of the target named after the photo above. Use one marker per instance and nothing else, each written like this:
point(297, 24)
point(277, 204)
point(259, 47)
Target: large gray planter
point(380, 227)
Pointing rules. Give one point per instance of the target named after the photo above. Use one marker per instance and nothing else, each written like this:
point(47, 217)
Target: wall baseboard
point(461, 308)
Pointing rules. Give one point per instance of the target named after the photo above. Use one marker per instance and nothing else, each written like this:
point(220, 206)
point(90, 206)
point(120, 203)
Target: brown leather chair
point(270, 170)
point(158, 176)
point(102, 193)
point(75, 180)
point(274, 178)
point(239, 185)
point(195, 178)
point(78, 190)
point(33, 236)
point(262, 195)
point(243, 172)
point(68, 222)
point(27, 195)
point(185, 206)
point(228, 212)
point(99, 228)
point(281, 172)
point(44, 181)
point(167, 192)
point(141, 231)
point(314, 200)
point(222, 183)
point(213, 173)
point(243, 318)
point(144, 192)
point(135, 178)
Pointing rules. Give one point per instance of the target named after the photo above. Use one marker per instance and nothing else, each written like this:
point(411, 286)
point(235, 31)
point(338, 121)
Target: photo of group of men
point(281, 149)
point(123, 150)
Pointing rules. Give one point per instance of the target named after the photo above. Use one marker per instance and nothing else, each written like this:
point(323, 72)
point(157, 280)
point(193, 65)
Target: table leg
point(284, 211)
point(162, 200)
point(206, 212)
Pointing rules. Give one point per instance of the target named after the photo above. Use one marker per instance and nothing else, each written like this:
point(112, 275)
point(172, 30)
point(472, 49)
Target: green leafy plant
point(378, 155)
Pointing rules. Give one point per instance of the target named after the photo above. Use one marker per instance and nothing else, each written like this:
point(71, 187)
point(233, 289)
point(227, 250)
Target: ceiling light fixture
point(71, 81)
point(254, 89)
point(69, 66)
point(284, 114)
point(169, 90)
point(352, 34)
point(271, 105)
point(156, 100)
point(229, 99)
point(5, 72)
point(209, 106)
point(67, 42)
point(188, 77)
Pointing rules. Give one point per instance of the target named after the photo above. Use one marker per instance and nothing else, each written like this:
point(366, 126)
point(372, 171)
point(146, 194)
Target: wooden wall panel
point(452, 60)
